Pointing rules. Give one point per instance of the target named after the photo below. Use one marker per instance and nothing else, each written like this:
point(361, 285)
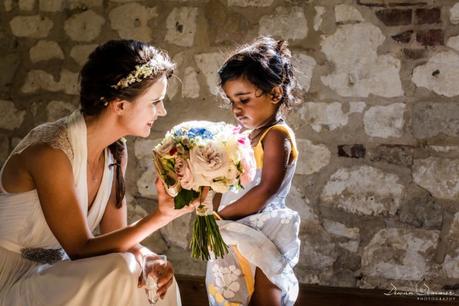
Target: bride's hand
point(166, 203)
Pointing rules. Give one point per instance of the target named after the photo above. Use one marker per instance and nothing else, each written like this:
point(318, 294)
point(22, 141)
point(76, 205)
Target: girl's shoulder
point(281, 130)
point(279, 133)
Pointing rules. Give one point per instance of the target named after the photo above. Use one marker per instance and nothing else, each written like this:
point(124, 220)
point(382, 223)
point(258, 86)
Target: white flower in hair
point(140, 73)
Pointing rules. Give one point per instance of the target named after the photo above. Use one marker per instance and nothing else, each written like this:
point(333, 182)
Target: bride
point(65, 179)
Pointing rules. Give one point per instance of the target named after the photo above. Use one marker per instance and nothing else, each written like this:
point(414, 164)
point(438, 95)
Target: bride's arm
point(52, 174)
point(115, 218)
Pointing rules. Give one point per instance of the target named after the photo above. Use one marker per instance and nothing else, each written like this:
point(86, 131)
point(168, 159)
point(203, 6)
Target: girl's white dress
point(267, 240)
point(34, 269)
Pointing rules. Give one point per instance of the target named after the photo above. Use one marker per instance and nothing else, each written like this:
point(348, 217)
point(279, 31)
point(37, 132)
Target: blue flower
point(179, 132)
point(200, 132)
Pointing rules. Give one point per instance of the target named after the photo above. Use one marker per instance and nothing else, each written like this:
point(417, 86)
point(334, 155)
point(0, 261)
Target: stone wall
point(377, 183)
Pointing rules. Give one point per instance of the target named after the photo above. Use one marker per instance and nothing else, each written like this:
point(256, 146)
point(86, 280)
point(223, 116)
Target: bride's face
point(145, 109)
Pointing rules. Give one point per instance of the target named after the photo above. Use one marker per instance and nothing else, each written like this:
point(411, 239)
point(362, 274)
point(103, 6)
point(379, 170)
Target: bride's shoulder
point(46, 136)
point(34, 163)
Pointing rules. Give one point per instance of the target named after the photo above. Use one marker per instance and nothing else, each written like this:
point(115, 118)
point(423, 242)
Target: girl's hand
point(166, 204)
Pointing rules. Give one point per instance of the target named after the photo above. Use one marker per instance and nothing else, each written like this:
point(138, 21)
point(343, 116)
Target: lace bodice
point(52, 133)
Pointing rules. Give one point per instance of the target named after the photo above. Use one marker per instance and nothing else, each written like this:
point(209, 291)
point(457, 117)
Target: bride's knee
point(124, 264)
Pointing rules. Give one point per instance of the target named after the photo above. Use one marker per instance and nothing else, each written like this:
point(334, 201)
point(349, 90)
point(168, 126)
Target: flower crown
point(140, 73)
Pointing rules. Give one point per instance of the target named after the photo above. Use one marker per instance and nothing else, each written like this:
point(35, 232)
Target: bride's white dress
point(26, 241)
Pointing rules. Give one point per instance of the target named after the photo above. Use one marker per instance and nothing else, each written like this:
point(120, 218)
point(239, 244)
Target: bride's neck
point(101, 133)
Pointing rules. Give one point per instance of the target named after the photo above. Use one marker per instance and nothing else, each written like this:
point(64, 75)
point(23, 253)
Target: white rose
point(210, 161)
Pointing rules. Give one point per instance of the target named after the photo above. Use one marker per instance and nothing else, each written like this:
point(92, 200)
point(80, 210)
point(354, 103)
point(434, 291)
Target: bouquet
point(198, 154)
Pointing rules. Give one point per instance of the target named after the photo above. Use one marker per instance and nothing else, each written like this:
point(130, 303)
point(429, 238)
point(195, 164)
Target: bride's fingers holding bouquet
point(166, 206)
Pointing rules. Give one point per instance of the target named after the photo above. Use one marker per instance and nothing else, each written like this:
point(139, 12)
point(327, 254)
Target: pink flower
point(248, 168)
point(182, 168)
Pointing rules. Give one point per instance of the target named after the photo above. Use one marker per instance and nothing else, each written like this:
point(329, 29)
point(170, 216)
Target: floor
point(194, 294)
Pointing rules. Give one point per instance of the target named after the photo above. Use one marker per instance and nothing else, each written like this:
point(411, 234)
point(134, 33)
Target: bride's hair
point(266, 63)
point(120, 69)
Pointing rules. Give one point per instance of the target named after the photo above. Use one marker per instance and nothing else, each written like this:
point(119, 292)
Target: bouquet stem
point(206, 240)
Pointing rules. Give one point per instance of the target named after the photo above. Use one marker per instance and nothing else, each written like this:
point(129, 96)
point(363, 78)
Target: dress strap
point(258, 149)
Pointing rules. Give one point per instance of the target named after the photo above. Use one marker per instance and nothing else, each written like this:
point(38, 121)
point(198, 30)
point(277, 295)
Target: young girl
point(65, 178)
point(263, 234)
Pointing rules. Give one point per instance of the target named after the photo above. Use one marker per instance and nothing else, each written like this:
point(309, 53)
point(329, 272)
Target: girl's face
point(142, 112)
point(251, 108)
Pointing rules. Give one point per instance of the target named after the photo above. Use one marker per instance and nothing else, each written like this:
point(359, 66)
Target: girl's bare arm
point(277, 148)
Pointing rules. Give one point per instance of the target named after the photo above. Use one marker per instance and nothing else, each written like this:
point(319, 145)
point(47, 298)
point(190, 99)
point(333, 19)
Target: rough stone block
point(385, 121)
point(395, 17)
point(318, 252)
point(392, 154)
point(403, 37)
point(318, 156)
point(10, 117)
point(363, 190)
point(440, 176)
point(26, 5)
point(428, 16)
point(209, 64)
point(352, 151)
point(190, 87)
point(390, 3)
point(41, 80)
point(414, 54)
point(135, 24)
point(454, 14)
point(181, 26)
point(330, 116)
point(304, 67)
point(286, 23)
point(80, 53)
point(347, 13)
point(59, 109)
point(31, 26)
point(178, 232)
point(46, 50)
point(430, 37)
point(359, 70)
point(451, 261)
point(85, 26)
point(433, 119)
point(51, 5)
point(4, 148)
point(320, 10)
point(341, 230)
point(453, 42)
point(8, 65)
point(439, 74)
point(250, 3)
point(402, 254)
point(422, 212)
point(298, 201)
point(83, 4)
point(145, 185)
